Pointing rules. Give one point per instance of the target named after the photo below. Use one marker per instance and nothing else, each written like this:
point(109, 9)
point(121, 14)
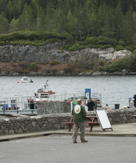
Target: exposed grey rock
point(121, 54)
point(52, 52)
point(99, 73)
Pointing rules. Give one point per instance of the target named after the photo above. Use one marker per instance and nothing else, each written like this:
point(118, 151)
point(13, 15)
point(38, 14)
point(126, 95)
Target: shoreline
point(74, 74)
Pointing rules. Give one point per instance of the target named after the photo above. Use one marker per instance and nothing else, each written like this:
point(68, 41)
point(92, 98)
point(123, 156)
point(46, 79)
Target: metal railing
point(24, 105)
point(15, 105)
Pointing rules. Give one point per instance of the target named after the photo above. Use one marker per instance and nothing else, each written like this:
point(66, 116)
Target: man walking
point(79, 115)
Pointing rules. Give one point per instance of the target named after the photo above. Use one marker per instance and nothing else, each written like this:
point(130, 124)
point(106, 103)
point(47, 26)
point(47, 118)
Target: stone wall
point(27, 124)
point(122, 116)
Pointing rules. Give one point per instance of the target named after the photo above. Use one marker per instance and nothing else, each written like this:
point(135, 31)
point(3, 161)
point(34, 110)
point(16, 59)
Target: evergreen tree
point(14, 25)
point(27, 18)
point(4, 25)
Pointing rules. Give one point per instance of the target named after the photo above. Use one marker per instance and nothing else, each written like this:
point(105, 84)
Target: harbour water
point(114, 89)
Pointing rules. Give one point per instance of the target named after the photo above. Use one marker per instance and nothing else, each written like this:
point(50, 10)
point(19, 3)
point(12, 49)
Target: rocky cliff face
point(53, 52)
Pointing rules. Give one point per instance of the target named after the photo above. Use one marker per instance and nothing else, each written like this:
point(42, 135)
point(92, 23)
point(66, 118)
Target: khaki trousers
point(77, 126)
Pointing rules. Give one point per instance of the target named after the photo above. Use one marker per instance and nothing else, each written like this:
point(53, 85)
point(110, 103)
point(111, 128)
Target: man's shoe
point(74, 142)
point(84, 141)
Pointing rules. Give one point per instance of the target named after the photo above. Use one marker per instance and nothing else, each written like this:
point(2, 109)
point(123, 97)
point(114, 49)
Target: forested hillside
point(77, 24)
point(114, 19)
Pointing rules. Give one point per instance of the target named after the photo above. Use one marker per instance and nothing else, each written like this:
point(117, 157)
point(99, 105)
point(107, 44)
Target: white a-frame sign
point(103, 119)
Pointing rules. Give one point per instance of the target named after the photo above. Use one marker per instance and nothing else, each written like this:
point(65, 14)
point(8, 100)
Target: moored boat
point(25, 79)
point(44, 93)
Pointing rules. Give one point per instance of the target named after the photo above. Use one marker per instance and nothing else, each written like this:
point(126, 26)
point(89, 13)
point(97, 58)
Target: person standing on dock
point(79, 115)
point(91, 105)
point(134, 101)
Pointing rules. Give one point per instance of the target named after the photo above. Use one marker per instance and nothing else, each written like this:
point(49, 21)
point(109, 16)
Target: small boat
point(43, 94)
point(25, 79)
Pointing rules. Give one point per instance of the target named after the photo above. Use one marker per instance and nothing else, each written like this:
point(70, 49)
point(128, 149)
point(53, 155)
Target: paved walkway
point(60, 149)
point(128, 129)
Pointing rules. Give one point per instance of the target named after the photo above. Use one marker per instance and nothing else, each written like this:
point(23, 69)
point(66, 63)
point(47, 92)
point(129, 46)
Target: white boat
point(43, 94)
point(25, 79)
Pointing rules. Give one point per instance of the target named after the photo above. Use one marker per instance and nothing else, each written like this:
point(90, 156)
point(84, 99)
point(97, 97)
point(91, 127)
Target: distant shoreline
point(72, 74)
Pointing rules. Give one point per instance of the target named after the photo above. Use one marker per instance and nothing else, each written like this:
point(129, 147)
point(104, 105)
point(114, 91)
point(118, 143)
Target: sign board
point(88, 93)
point(103, 119)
